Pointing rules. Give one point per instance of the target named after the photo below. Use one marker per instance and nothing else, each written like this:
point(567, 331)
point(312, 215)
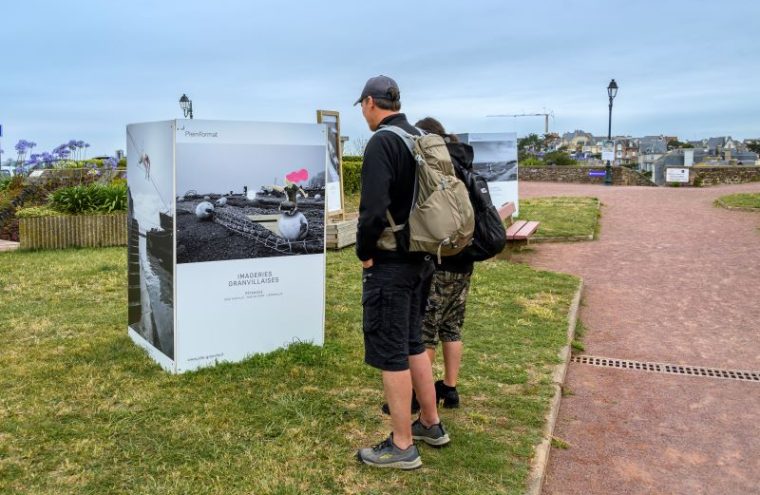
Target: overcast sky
point(83, 69)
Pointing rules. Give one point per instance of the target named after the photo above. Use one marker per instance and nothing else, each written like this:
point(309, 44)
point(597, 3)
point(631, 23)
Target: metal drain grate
point(673, 369)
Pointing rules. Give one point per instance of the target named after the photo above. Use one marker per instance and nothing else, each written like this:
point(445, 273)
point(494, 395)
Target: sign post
point(678, 175)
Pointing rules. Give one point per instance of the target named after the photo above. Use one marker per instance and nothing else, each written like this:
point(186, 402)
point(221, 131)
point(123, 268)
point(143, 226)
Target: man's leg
point(422, 377)
point(398, 394)
point(452, 359)
point(431, 354)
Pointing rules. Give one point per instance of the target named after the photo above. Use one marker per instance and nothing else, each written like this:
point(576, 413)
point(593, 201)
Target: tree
point(754, 146)
point(529, 145)
point(559, 158)
point(676, 144)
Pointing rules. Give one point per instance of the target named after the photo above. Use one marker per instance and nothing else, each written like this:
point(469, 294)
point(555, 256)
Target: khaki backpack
point(441, 220)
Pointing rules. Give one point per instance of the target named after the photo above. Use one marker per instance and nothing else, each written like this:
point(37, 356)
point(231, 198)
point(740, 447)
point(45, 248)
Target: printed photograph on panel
point(496, 161)
point(240, 201)
point(150, 248)
point(333, 147)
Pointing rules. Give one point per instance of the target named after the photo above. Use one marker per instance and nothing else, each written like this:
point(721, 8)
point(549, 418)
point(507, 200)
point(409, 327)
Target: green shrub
point(112, 197)
point(4, 183)
point(559, 158)
point(74, 199)
point(352, 173)
point(37, 211)
point(91, 198)
point(531, 161)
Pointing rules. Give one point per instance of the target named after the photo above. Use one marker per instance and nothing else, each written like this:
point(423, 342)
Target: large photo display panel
point(150, 247)
point(250, 238)
point(496, 160)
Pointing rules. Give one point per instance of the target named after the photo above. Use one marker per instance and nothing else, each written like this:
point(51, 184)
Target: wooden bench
point(521, 230)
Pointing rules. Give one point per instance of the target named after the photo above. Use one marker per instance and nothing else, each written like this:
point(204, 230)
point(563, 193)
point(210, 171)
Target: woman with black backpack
point(444, 314)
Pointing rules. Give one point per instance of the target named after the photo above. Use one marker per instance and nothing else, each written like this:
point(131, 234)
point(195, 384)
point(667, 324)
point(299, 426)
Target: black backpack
point(490, 236)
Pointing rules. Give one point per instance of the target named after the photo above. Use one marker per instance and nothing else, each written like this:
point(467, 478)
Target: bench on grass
point(521, 230)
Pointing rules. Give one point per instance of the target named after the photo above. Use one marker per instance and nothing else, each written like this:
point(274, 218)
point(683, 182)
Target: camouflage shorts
point(444, 313)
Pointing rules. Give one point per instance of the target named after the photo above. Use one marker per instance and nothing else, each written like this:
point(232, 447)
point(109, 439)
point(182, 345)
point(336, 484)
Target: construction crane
point(544, 115)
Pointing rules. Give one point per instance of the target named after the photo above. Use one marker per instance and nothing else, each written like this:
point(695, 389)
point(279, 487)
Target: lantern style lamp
point(187, 105)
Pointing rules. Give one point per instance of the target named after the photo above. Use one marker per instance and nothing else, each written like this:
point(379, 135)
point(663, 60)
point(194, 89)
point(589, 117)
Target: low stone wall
point(712, 176)
point(621, 176)
point(73, 231)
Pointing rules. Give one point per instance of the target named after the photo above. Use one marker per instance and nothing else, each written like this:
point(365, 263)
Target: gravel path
point(671, 279)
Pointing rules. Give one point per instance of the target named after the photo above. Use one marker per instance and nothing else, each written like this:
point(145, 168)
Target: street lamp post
point(612, 90)
point(187, 105)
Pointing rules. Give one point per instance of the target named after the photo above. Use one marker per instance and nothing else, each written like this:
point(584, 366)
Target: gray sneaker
point(435, 435)
point(387, 455)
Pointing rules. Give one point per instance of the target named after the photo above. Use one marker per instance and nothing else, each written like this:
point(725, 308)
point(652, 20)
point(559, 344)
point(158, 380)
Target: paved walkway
point(8, 245)
point(671, 279)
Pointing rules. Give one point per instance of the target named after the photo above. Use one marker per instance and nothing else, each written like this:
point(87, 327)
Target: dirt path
point(671, 279)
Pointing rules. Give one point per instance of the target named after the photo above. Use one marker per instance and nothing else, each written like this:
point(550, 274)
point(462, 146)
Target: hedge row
point(352, 173)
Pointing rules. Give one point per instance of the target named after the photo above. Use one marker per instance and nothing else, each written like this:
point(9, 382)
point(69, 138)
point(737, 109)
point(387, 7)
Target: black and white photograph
point(150, 248)
point(493, 160)
point(241, 201)
point(333, 145)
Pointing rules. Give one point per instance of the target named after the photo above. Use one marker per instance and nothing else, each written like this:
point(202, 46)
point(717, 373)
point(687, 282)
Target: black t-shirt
point(387, 183)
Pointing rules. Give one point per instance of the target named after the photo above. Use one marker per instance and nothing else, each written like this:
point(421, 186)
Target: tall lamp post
point(187, 105)
point(612, 90)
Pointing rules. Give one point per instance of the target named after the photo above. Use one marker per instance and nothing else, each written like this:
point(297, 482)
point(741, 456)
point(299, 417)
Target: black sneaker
point(448, 395)
point(387, 455)
point(434, 435)
point(415, 406)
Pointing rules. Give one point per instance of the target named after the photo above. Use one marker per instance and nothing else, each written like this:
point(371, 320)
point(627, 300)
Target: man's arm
point(377, 175)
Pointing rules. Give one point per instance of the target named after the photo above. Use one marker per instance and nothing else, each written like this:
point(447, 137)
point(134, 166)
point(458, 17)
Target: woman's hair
point(429, 124)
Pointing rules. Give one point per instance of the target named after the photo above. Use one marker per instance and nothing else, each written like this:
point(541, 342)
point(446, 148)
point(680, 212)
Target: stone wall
point(621, 176)
point(711, 176)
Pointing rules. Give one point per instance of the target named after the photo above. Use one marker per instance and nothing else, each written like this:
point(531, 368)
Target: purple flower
point(47, 159)
point(110, 162)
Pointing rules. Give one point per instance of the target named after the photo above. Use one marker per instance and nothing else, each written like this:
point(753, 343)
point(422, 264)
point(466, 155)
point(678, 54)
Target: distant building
point(715, 146)
point(651, 148)
point(650, 145)
point(576, 140)
point(626, 151)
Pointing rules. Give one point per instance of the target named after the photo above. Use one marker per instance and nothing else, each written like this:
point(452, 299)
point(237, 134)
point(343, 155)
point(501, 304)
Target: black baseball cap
point(379, 87)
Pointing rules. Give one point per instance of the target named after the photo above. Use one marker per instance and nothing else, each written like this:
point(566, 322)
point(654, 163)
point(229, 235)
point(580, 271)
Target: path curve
point(671, 279)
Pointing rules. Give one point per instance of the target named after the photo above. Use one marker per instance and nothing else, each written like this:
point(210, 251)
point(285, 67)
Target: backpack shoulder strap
point(408, 140)
point(405, 136)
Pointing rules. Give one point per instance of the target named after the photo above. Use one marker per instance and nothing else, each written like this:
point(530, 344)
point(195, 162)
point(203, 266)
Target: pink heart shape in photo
point(298, 176)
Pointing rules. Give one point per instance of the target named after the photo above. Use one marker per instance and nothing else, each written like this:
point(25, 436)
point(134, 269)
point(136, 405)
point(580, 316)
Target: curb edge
point(541, 456)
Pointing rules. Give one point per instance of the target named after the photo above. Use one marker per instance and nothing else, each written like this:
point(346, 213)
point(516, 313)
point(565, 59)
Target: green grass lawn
point(566, 217)
point(742, 200)
point(84, 411)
